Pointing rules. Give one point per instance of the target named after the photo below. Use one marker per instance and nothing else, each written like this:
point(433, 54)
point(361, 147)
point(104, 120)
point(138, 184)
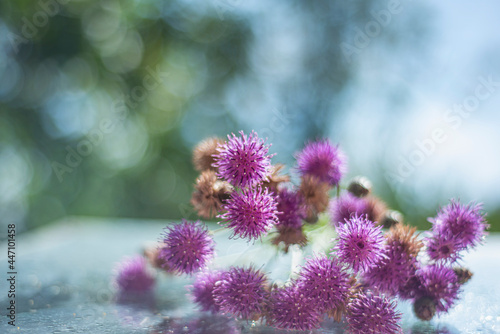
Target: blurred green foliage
point(101, 102)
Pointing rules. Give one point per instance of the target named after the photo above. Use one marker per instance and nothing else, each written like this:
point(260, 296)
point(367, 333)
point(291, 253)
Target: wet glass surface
point(64, 286)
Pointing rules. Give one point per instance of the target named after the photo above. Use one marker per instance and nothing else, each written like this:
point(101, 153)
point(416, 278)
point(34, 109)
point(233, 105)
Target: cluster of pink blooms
point(373, 260)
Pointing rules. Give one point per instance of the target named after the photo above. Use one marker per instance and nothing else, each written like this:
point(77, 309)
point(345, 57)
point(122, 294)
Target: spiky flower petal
point(290, 309)
point(250, 213)
point(202, 290)
point(323, 160)
point(132, 275)
point(243, 162)
point(242, 292)
point(368, 313)
point(324, 282)
point(188, 247)
point(360, 244)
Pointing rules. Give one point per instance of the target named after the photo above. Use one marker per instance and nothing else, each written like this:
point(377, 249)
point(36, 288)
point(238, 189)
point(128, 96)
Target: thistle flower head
point(242, 292)
point(243, 162)
point(250, 213)
point(202, 290)
point(188, 247)
point(203, 153)
point(291, 209)
point(323, 160)
point(443, 247)
point(368, 313)
point(360, 243)
point(315, 195)
point(209, 194)
point(289, 309)
point(464, 222)
point(132, 275)
point(391, 273)
point(440, 283)
point(324, 282)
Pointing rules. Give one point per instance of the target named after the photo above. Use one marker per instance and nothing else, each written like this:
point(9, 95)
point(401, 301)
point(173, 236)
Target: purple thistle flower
point(251, 212)
point(242, 292)
point(324, 282)
point(440, 283)
point(391, 273)
point(202, 290)
point(322, 160)
point(243, 162)
point(359, 243)
point(344, 207)
point(443, 247)
point(465, 223)
point(188, 247)
point(372, 314)
point(132, 275)
point(291, 209)
point(412, 288)
point(289, 309)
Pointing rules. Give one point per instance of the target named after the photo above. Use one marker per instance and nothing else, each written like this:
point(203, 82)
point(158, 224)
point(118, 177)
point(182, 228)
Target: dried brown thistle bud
point(405, 238)
point(203, 153)
point(275, 178)
point(315, 194)
point(375, 209)
point(360, 186)
point(463, 274)
point(290, 236)
point(152, 254)
point(391, 218)
point(424, 308)
point(210, 194)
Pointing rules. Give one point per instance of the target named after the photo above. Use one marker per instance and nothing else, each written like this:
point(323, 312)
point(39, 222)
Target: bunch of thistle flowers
point(363, 270)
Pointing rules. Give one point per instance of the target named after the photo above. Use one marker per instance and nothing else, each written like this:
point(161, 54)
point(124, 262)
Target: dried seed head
point(405, 238)
point(315, 194)
point(203, 153)
point(210, 194)
point(275, 179)
point(375, 208)
point(152, 254)
point(463, 274)
point(360, 186)
point(391, 218)
point(424, 308)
